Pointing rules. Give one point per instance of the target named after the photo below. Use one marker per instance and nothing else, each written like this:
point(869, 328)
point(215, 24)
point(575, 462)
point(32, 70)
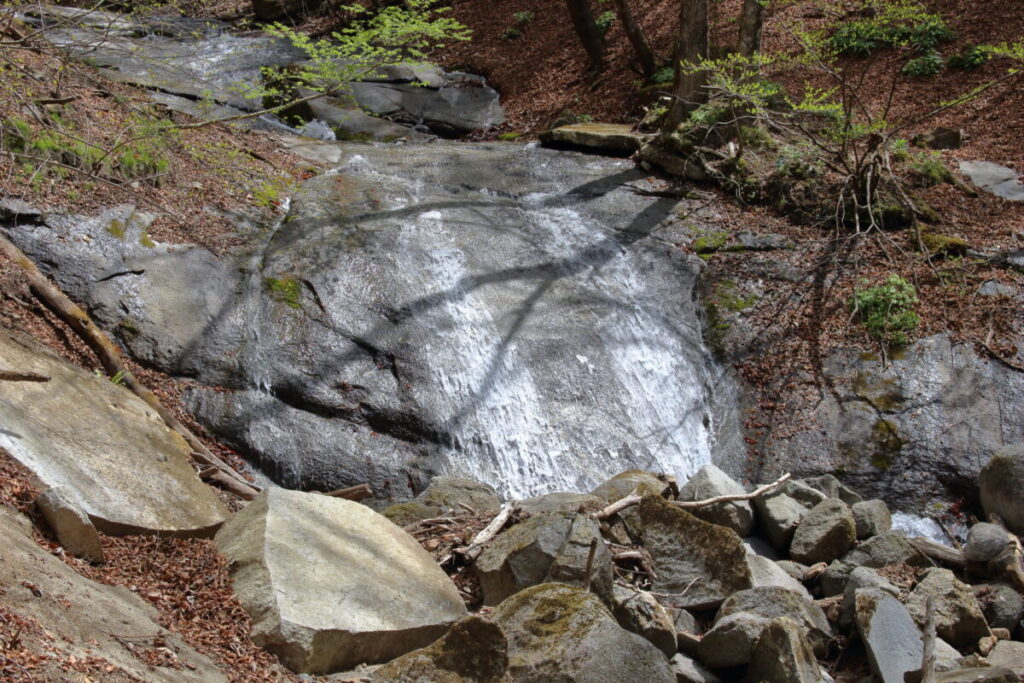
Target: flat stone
point(783, 654)
point(710, 482)
point(705, 560)
point(871, 517)
point(472, 651)
point(825, 533)
point(772, 602)
point(72, 526)
point(958, 616)
point(603, 138)
point(108, 450)
point(560, 634)
point(331, 584)
point(889, 634)
point(1001, 482)
point(995, 179)
point(84, 619)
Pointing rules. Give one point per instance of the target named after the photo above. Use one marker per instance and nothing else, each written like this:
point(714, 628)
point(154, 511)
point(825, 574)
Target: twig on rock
point(12, 376)
point(476, 546)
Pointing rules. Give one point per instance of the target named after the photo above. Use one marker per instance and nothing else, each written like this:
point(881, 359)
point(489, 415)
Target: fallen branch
point(79, 321)
point(633, 499)
point(928, 657)
point(618, 506)
point(476, 546)
point(11, 376)
point(588, 574)
point(937, 551)
point(359, 492)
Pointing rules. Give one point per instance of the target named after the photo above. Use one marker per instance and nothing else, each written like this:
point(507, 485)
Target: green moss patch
point(286, 290)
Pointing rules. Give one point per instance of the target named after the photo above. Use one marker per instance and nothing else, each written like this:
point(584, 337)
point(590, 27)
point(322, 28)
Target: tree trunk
point(586, 29)
point(692, 46)
point(751, 20)
point(644, 53)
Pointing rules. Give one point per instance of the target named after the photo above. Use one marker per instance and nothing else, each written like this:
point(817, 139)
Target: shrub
point(510, 34)
point(971, 58)
point(925, 66)
point(929, 168)
point(887, 310)
point(604, 21)
point(523, 17)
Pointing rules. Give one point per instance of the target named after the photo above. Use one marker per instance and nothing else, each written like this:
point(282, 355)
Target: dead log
point(633, 499)
point(109, 356)
point(939, 552)
point(480, 541)
point(358, 492)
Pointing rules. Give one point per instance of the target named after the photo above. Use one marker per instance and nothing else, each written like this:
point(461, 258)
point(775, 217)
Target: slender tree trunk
point(586, 29)
point(692, 46)
point(751, 20)
point(636, 36)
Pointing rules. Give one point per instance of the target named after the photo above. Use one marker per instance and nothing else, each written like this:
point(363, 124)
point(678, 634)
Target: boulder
point(757, 546)
point(638, 612)
point(804, 493)
point(106, 449)
point(978, 674)
point(687, 670)
point(625, 483)
point(705, 560)
point(825, 533)
point(1002, 604)
point(871, 518)
point(765, 572)
point(876, 552)
point(330, 583)
point(890, 636)
point(795, 569)
point(833, 488)
point(545, 548)
point(560, 634)
point(779, 514)
point(862, 577)
point(772, 602)
point(709, 482)
point(443, 496)
point(70, 616)
point(472, 651)
point(958, 616)
point(72, 526)
point(601, 138)
point(1001, 483)
point(783, 654)
point(562, 502)
point(731, 641)
point(1008, 654)
point(996, 179)
point(985, 542)
point(348, 122)
point(941, 138)
point(682, 620)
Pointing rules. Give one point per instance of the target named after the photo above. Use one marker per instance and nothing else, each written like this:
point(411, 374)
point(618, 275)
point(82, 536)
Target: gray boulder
point(833, 488)
point(958, 616)
point(804, 493)
point(709, 482)
point(625, 483)
point(560, 634)
point(860, 578)
point(443, 496)
point(472, 651)
point(876, 552)
point(545, 548)
point(772, 602)
point(731, 641)
point(999, 180)
point(108, 450)
point(1008, 654)
point(72, 526)
point(602, 138)
point(825, 533)
point(1001, 483)
point(779, 514)
point(765, 572)
point(331, 584)
point(872, 517)
point(562, 502)
point(890, 636)
point(1002, 604)
point(795, 569)
point(687, 670)
point(682, 620)
point(985, 542)
point(638, 612)
point(705, 560)
point(783, 654)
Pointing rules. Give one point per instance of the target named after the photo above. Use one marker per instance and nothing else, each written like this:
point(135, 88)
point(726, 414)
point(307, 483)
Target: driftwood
point(939, 552)
point(480, 541)
point(588, 574)
point(634, 499)
point(359, 492)
point(928, 657)
point(109, 356)
point(12, 376)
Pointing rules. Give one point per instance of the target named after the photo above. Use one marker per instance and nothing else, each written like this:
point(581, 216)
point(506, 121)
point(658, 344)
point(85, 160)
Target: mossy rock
point(453, 492)
point(944, 246)
point(887, 444)
point(474, 650)
point(624, 483)
point(404, 514)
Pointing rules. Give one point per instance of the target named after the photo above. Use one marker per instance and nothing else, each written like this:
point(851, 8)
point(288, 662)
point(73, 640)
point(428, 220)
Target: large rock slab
point(602, 138)
point(958, 616)
point(1001, 483)
point(783, 654)
point(331, 584)
point(711, 482)
point(472, 651)
point(83, 619)
point(560, 634)
point(109, 451)
point(705, 560)
point(772, 602)
point(994, 178)
point(890, 635)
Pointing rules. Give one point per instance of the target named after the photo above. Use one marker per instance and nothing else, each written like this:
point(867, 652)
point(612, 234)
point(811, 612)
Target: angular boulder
point(710, 482)
point(1002, 604)
point(687, 670)
point(765, 572)
point(561, 502)
point(560, 634)
point(985, 542)
point(771, 602)
point(107, 449)
point(473, 651)
point(624, 483)
point(731, 641)
point(638, 612)
point(871, 517)
point(331, 584)
point(958, 616)
point(1001, 483)
point(779, 514)
point(783, 654)
point(601, 138)
point(825, 533)
point(1008, 654)
point(704, 563)
point(545, 548)
point(876, 552)
point(833, 488)
point(860, 578)
point(890, 636)
point(441, 497)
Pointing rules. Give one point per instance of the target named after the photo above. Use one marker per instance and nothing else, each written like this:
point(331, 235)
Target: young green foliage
point(887, 310)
